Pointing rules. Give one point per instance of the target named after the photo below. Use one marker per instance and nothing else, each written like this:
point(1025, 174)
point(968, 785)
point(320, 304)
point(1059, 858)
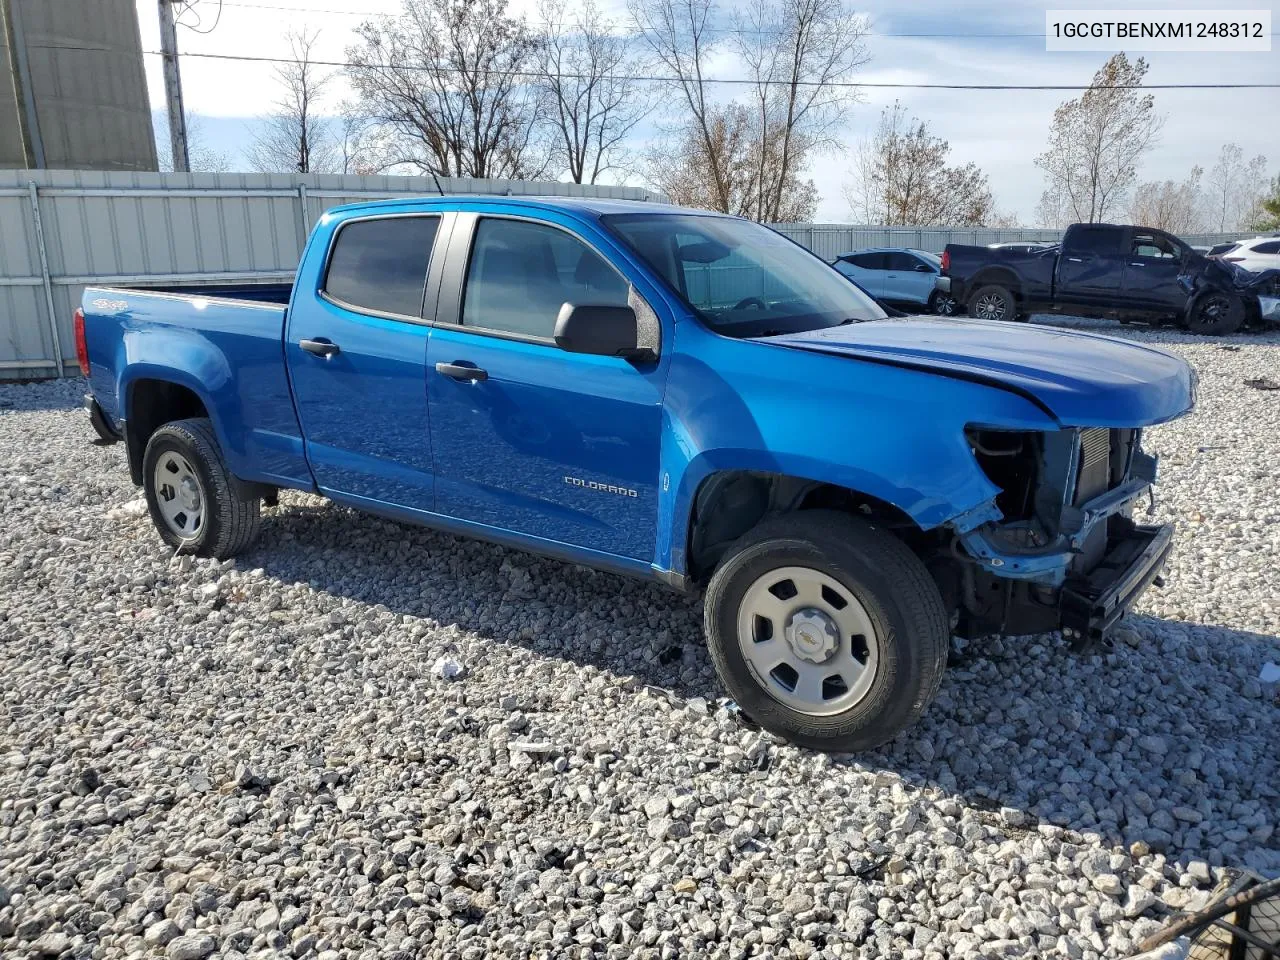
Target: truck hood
point(1082, 379)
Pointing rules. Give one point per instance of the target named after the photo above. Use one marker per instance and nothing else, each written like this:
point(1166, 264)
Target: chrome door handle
point(1075, 259)
point(1137, 264)
point(321, 348)
point(460, 371)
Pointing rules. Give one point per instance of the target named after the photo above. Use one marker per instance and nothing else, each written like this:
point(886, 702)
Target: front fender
point(888, 432)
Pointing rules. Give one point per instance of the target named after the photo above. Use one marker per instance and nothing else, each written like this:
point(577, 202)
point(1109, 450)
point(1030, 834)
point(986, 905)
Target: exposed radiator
point(1095, 464)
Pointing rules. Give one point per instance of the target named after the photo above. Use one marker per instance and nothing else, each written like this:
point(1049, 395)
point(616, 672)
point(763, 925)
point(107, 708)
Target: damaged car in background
point(1112, 271)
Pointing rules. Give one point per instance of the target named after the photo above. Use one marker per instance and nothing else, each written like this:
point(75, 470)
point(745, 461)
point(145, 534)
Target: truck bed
point(224, 342)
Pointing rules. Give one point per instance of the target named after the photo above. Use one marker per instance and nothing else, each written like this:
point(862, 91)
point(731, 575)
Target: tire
point(943, 304)
point(197, 506)
point(993, 302)
point(855, 561)
point(1215, 314)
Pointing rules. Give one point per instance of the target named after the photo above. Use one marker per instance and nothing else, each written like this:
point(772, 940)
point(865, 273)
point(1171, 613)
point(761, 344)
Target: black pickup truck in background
point(1108, 270)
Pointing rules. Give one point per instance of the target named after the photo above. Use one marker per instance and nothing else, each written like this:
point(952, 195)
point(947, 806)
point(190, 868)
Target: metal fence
point(62, 230)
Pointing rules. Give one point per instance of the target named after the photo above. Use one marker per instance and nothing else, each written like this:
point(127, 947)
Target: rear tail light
point(946, 261)
point(82, 348)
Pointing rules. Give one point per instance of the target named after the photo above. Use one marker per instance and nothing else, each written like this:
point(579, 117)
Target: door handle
point(1076, 259)
point(1137, 264)
point(460, 371)
point(321, 348)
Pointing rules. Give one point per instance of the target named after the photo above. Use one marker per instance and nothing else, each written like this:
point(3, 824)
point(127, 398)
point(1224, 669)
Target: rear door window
point(1270, 247)
point(1093, 240)
point(380, 265)
point(869, 261)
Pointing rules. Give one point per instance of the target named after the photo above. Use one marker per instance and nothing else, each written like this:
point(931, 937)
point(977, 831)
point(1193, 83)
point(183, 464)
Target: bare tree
point(900, 177)
point(447, 81)
point(1175, 206)
point(800, 56)
point(678, 167)
point(201, 157)
point(679, 36)
point(296, 138)
point(586, 74)
point(1096, 141)
point(1235, 189)
point(748, 158)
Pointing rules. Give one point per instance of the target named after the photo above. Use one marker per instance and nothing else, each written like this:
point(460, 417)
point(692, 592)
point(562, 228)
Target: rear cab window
point(379, 265)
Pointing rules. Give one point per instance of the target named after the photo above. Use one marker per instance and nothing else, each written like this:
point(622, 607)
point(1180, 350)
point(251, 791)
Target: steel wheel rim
point(808, 641)
point(990, 307)
point(179, 495)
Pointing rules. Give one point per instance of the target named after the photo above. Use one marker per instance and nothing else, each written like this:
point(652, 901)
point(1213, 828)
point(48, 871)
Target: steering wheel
point(751, 302)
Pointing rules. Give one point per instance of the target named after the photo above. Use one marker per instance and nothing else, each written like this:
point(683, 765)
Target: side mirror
point(923, 268)
point(600, 330)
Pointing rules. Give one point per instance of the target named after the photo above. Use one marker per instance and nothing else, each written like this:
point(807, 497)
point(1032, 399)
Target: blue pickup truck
point(670, 394)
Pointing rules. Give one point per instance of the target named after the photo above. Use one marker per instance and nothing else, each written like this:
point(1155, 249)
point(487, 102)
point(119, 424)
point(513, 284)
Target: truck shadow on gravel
point(1165, 738)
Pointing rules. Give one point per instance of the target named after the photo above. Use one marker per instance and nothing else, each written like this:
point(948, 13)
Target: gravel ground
point(261, 758)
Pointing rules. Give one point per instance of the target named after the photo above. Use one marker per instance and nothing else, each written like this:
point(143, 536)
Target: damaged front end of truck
point(1062, 545)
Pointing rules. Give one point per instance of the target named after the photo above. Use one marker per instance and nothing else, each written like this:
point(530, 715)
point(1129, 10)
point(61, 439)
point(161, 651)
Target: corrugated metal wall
point(61, 230)
point(166, 229)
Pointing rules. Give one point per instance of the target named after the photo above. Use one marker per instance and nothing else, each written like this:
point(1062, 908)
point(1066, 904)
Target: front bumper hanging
point(1093, 603)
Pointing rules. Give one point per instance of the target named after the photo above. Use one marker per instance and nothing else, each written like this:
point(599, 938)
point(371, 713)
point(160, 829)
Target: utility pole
point(173, 88)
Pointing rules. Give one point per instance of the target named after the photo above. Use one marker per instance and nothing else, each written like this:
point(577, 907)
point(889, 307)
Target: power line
point(642, 78)
point(746, 81)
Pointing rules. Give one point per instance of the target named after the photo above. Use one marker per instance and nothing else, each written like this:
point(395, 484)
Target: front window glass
point(742, 279)
point(521, 273)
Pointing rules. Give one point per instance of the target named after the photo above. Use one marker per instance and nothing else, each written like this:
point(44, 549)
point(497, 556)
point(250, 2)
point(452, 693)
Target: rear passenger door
point(1091, 266)
point(356, 347)
point(529, 438)
point(908, 279)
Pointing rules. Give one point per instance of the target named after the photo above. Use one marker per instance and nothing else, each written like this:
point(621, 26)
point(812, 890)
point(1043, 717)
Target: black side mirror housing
point(924, 268)
point(606, 331)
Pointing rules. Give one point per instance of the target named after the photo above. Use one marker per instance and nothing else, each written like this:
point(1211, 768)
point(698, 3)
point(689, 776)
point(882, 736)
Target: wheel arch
point(153, 397)
point(998, 276)
point(726, 503)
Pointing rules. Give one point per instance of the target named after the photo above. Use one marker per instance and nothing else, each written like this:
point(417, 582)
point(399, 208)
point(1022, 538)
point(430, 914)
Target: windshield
point(931, 259)
point(742, 279)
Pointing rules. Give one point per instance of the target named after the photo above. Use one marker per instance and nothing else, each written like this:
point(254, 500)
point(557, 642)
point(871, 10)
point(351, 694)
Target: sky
point(915, 42)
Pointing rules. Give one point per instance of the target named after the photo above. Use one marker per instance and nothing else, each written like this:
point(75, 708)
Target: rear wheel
point(195, 503)
point(993, 302)
point(943, 304)
point(1215, 314)
point(827, 630)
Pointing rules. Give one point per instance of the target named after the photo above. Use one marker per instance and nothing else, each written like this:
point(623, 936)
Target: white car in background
point(899, 276)
point(1260, 253)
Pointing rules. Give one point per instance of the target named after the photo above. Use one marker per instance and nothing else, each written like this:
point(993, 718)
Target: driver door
point(1151, 272)
point(529, 438)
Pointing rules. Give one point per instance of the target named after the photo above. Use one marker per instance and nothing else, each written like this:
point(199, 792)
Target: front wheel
point(993, 302)
point(197, 506)
point(1216, 314)
point(827, 630)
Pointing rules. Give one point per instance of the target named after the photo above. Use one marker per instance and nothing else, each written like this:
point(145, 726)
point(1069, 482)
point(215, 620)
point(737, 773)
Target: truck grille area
point(1094, 476)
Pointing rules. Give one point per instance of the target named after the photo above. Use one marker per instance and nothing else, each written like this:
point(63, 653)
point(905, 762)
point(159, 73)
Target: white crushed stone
point(260, 757)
